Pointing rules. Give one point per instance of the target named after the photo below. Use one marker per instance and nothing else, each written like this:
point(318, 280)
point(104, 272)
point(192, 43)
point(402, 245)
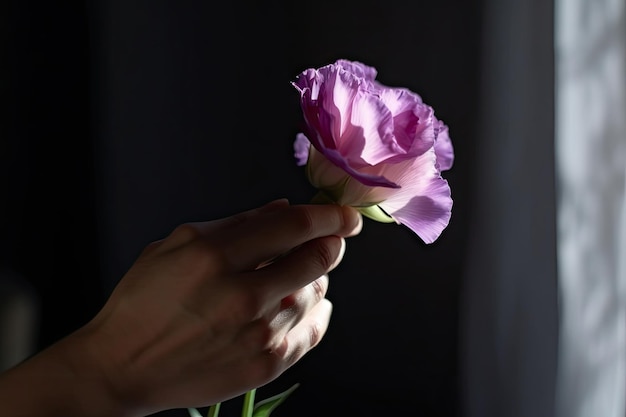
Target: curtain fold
point(509, 309)
point(544, 295)
point(591, 164)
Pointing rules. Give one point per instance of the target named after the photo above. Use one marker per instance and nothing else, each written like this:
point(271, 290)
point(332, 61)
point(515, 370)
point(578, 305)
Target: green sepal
point(322, 197)
point(376, 213)
point(264, 408)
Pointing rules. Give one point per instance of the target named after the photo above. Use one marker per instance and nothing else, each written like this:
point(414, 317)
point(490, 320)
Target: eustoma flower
point(379, 149)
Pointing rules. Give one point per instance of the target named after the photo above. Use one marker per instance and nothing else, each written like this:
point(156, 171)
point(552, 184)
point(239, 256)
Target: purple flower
point(377, 148)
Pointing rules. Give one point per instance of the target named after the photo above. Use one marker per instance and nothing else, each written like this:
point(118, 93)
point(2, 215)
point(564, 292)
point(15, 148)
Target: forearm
point(53, 383)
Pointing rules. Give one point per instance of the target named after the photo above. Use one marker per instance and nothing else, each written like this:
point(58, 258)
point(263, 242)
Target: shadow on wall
point(19, 319)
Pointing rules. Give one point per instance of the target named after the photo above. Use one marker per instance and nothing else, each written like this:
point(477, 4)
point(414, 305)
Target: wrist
point(62, 380)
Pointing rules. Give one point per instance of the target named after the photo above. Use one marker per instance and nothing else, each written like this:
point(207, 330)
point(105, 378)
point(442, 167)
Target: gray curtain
point(591, 174)
point(509, 311)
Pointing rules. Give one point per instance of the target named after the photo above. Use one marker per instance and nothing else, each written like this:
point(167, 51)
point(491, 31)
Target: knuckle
point(304, 221)
point(326, 252)
point(200, 256)
point(152, 247)
point(184, 233)
point(239, 219)
point(319, 287)
point(315, 334)
point(289, 301)
point(247, 306)
point(261, 336)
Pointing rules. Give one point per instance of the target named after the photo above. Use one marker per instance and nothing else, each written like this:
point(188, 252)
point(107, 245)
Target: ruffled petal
point(310, 84)
point(358, 68)
point(342, 119)
point(368, 138)
point(365, 178)
point(426, 215)
point(301, 148)
point(444, 148)
point(412, 120)
point(424, 202)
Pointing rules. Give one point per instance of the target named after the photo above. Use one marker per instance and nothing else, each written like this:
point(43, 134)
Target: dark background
point(124, 119)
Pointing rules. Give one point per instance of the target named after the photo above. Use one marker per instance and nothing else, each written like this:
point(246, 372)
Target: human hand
point(215, 309)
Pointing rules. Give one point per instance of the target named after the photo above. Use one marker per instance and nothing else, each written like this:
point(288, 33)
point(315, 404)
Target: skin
point(213, 310)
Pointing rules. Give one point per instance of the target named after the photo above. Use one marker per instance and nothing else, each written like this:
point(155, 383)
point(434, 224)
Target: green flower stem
point(248, 403)
point(194, 412)
point(214, 410)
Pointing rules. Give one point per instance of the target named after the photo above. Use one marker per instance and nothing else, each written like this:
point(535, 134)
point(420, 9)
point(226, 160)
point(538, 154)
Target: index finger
point(274, 233)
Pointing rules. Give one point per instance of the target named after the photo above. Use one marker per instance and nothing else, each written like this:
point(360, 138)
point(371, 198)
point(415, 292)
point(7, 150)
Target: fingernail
point(342, 252)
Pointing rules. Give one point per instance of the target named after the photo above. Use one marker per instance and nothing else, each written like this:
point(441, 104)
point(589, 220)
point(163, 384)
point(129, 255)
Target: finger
point(244, 217)
point(298, 304)
point(262, 363)
point(280, 231)
point(310, 294)
point(303, 337)
point(296, 270)
point(307, 334)
point(262, 333)
point(187, 232)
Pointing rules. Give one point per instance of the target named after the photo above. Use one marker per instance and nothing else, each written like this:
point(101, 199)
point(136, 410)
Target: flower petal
point(365, 178)
point(444, 148)
point(426, 215)
point(358, 68)
point(359, 124)
point(412, 119)
point(342, 118)
point(301, 148)
point(423, 203)
point(368, 138)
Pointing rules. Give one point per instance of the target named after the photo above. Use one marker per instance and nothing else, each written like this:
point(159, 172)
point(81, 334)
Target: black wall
point(128, 118)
